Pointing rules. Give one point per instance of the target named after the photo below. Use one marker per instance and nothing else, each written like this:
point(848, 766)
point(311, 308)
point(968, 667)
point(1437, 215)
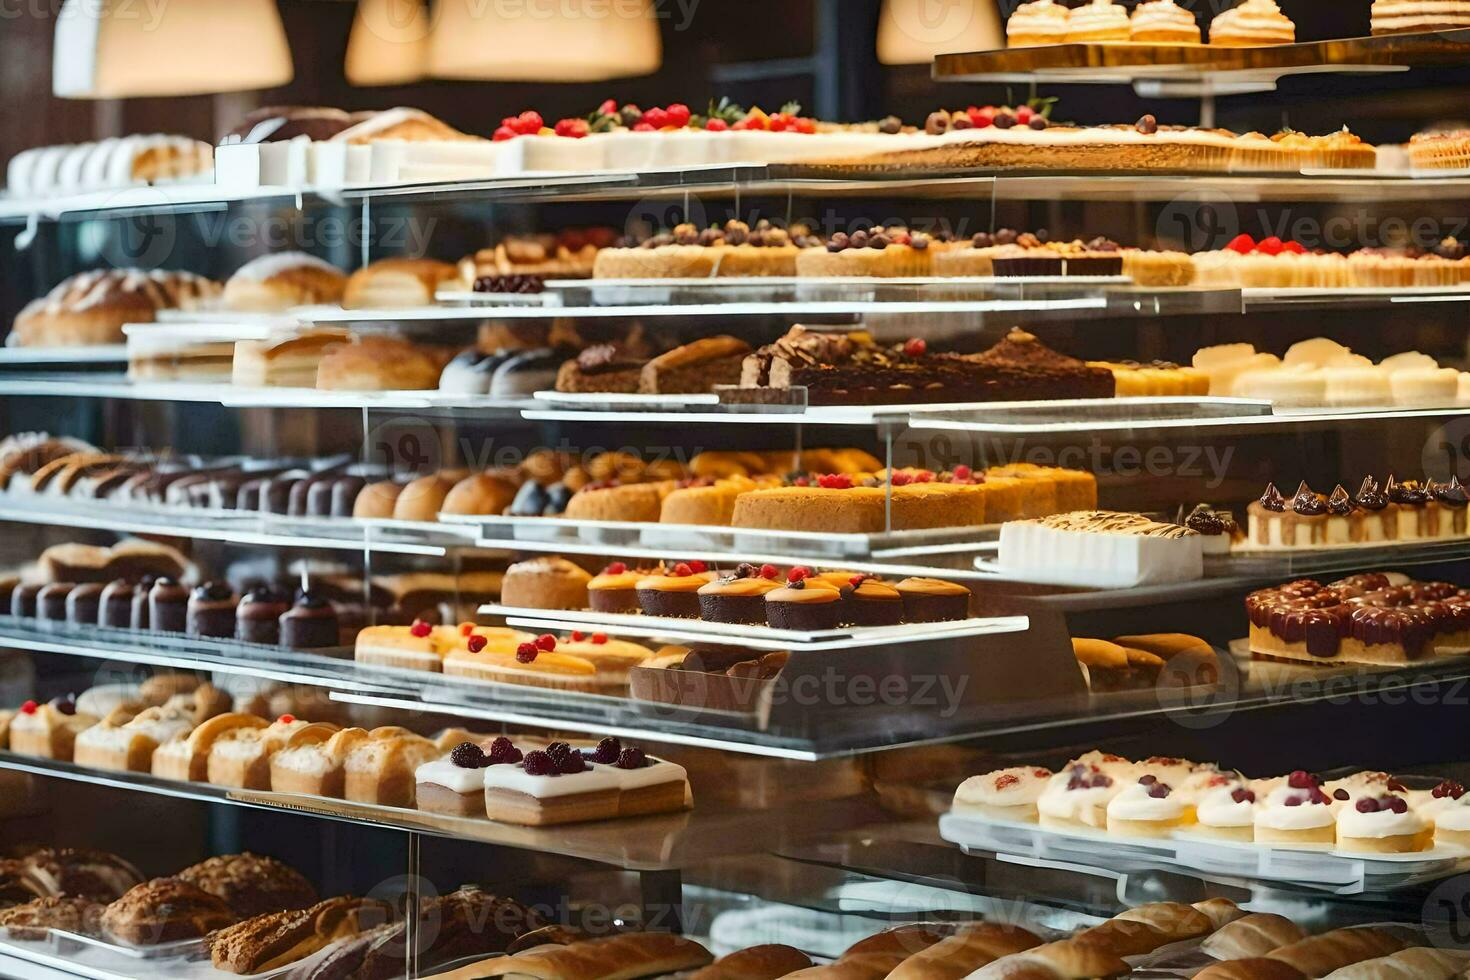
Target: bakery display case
point(742, 544)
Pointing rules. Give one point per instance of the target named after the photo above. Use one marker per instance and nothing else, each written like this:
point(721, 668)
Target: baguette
point(967, 950)
point(1254, 935)
point(1416, 963)
point(1220, 911)
point(1320, 955)
point(626, 957)
point(1252, 969)
point(1176, 921)
point(1123, 937)
point(1065, 960)
point(766, 962)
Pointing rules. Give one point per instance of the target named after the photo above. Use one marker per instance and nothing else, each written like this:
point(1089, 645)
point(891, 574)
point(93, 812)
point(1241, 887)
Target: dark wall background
point(721, 53)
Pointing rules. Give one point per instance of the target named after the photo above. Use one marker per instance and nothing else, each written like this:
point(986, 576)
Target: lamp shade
point(114, 49)
point(544, 40)
point(389, 44)
point(912, 32)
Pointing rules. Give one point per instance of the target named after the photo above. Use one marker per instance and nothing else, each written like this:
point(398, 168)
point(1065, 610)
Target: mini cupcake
point(1382, 825)
point(1009, 794)
point(1099, 20)
point(310, 624)
point(866, 601)
point(1296, 813)
point(1163, 22)
point(168, 606)
point(1254, 22)
point(211, 611)
point(739, 597)
point(1077, 798)
point(1036, 23)
point(258, 617)
point(674, 593)
point(804, 603)
point(84, 604)
point(932, 600)
point(615, 588)
point(116, 608)
point(1148, 808)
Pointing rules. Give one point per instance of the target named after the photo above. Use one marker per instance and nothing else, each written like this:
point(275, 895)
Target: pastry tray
point(761, 637)
point(160, 951)
point(1322, 869)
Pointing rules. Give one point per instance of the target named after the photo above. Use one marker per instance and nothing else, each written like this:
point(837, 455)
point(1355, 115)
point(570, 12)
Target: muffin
point(615, 588)
point(739, 597)
point(932, 600)
point(804, 603)
point(866, 601)
point(674, 593)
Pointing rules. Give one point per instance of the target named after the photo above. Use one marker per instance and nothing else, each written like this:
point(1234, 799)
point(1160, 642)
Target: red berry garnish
point(1148, 779)
point(900, 479)
point(466, 629)
point(286, 720)
point(769, 571)
point(683, 569)
point(599, 638)
point(468, 755)
point(1159, 791)
point(420, 628)
point(632, 758)
point(801, 481)
point(1397, 804)
point(1244, 244)
point(546, 642)
point(1006, 781)
point(856, 580)
point(608, 751)
point(1293, 801)
point(476, 643)
point(558, 749)
point(539, 764)
point(578, 636)
point(29, 708)
point(678, 114)
point(1301, 780)
point(643, 127)
point(798, 574)
point(504, 133)
point(982, 117)
point(570, 763)
point(716, 125)
point(963, 472)
point(698, 567)
point(527, 653)
point(573, 128)
point(1295, 248)
point(608, 108)
point(1270, 246)
point(616, 568)
point(656, 117)
point(500, 750)
point(1367, 805)
point(805, 126)
point(1341, 795)
point(1024, 114)
point(530, 122)
point(915, 347)
point(1243, 796)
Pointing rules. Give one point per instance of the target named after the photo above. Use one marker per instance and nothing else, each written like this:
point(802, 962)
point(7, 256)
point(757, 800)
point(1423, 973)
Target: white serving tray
point(739, 634)
point(1323, 868)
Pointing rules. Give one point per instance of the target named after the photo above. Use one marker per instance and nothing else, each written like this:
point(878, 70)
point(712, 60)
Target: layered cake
point(686, 252)
point(1407, 511)
point(1102, 549)
point(1373, 618)
point(1254, 22)
point(1411, 16)
point(1037, 22)
point(560, 784)
point(882, 252)
point(853, 369)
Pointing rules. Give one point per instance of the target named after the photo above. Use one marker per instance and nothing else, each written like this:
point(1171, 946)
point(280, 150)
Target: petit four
point(1382, 824)
point(1148, 808)
point(563, 785)
point(455, 784)
point(1226, 811)
point(674, 592)
point(805, 603)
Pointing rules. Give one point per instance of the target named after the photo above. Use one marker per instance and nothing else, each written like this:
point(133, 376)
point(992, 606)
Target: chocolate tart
point(168, 606)
point(116, 607)
point(211, 611)
point(671, 595)
point(807, 606)
point(871, 603)
point(736, 599)
point(933, 600)
point(23, 601)
point(84, 604)
point(309, 624)
point(51, 602)
point(258, 617)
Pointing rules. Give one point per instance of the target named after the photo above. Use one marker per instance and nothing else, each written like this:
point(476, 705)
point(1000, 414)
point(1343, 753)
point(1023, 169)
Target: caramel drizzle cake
point(1407, 511)
point(1407, 16)
point(1375, 618)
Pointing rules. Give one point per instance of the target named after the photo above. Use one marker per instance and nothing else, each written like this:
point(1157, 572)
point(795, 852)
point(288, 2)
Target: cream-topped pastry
point(1077, 798)
point(1163, 22)
point(1148, 808)
point(1254, 22)
point(563, 785)
point(455, 784)
point(1452, 822)
point(1008, 794)
point(1360, 784)
point(1175, 772)
point(1098, 20)
point(240, 758)
point(1114, 765)
point(129, 746)
point(1382, 825)
point(1296, 813)
point(1037, 22)
point(1226, 811)
point(1206, 779)
point(313, 760)
point(1429, 803)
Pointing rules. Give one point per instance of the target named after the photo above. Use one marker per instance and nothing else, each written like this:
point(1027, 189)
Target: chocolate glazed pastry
point(23, 601)
point(83, 604)
point(309, 624)
point(168, 607)
point(257, 620)
point(211, 611)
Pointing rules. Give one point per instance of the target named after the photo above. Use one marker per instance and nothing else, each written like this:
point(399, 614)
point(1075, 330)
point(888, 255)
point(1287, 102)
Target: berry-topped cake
point(739, 597)
point(455, 784)
point(561, 784)
point(686, 252)
point(887, 251)
point(1397, 511)
point(1296, 813)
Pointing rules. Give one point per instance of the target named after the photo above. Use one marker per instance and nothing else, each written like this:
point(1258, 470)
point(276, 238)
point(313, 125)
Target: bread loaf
point(395, 283)
point(1252, 969)
point(272, 283)
point(91, 307)
point(1418, 963)
point(1253, 935)
point(1065, 960)
point(959, 955)
point(766, 962)
point(1320, 955)
point(378, 364)
point(624, 957)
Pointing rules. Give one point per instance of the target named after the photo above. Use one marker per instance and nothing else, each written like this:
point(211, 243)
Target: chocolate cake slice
point(601, 368)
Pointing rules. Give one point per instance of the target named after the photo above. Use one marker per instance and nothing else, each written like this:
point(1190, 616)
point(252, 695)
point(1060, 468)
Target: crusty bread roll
point(272, 283)
point(394, 283)
point(1175, 920)
point(766, 962)
point(378, 364)
point(625, 957)
point(1418, 963)
point(968, 949)
point(1252, 969)
point(1318, 956)
point(1253, 935)
point(91, 307)
point(1065, 960)
point(377, 500)
point(482, 493)
point(422, 499)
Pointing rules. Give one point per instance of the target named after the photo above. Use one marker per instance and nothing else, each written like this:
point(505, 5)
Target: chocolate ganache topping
point(1409, 492)
point(1203, 520)
point(1371, 496)
point(1307, 502)
point(1272, 499)
point(1341, 503)
point(1451, 494)
point(1367, 608)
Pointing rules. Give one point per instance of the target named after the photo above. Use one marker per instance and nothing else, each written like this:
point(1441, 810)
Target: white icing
point(595, 779)
point(1040, 18)
point(1351, 822)
point(1098, 17)
point(104, 698)
point(1219, 808)
point(1175, 772)
point(1306, 815)
point(1259, 20)
point(1113, 765)
point(1135, 803)
point(1059, 802)
point(442, 772)
point(1024, 785)
point(1163, 15)
point(1454, 815)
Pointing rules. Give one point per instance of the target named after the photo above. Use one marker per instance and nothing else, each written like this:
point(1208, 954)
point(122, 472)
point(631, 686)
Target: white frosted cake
point(1100, 549)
